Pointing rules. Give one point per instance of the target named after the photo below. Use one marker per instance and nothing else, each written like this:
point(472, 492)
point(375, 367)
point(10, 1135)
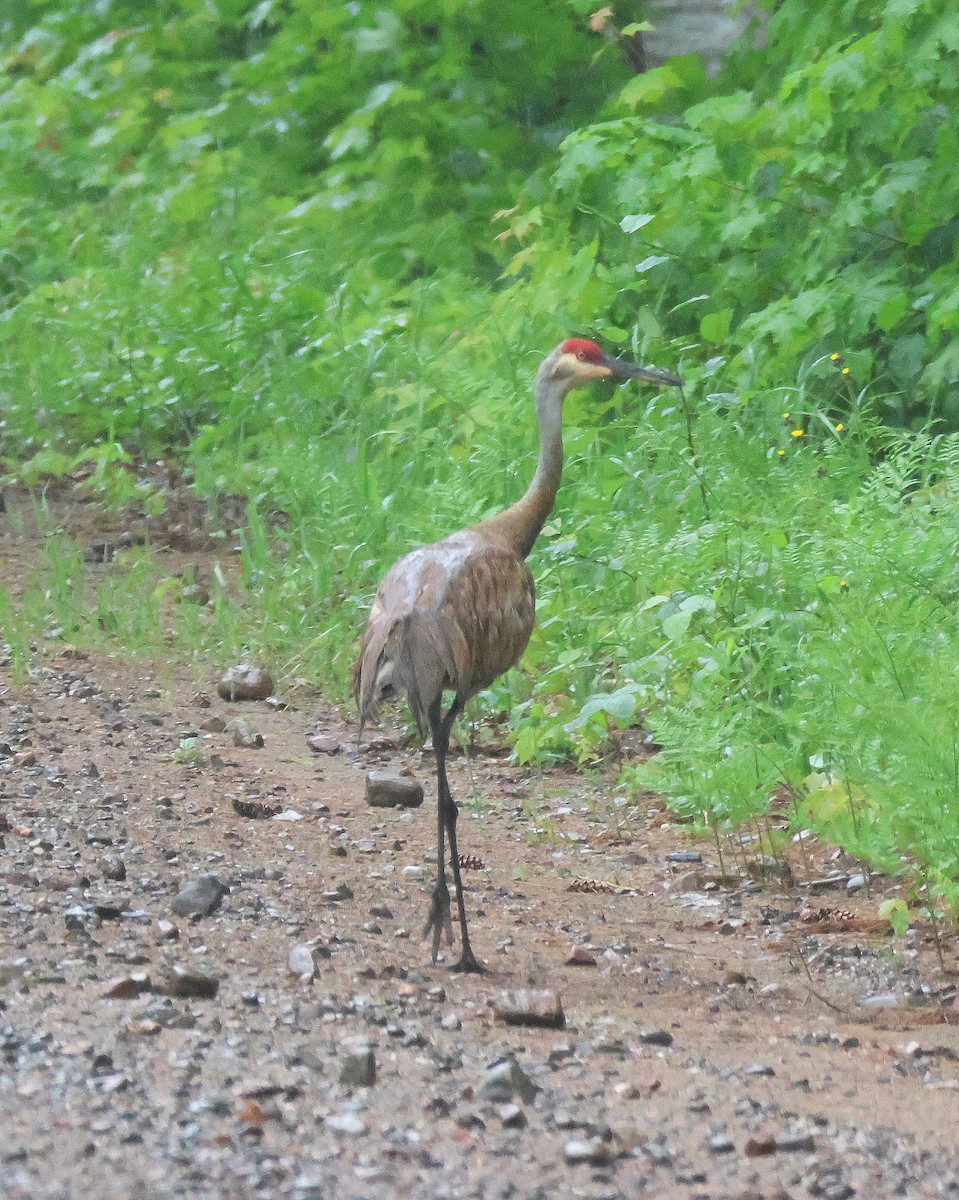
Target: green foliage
point(258, 151)
point(802, 205)
point(821, 663)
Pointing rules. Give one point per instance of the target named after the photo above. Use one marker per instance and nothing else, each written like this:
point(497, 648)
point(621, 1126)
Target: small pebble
point(113, 867)
point(882, 1000)
point(529, 1007)
point(505, 1080)
point(801, 1142)
point(335, 895)
point(346, 1122)
point(759, 1069)
point(199, 897)
point(656, 1037)
point(759, 1146)
point(129, 987)
point(358, 1069)
point(245, 736)
point(191, 984)
point(593, 1151)
point(300, 962)
point(512, 1116)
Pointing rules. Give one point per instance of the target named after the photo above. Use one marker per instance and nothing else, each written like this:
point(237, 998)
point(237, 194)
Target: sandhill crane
point(454, 615)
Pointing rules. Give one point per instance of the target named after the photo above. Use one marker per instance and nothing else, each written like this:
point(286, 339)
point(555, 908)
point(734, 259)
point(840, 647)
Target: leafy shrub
point(803, 204)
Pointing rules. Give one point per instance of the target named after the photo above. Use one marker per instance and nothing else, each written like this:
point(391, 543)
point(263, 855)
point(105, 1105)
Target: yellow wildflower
point(845, 371)
point(786, 416)
point(840, 427)
point(834, 357)
point(780, 453)
point(796, 433)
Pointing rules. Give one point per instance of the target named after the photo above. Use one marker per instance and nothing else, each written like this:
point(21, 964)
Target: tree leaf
point(631, 224)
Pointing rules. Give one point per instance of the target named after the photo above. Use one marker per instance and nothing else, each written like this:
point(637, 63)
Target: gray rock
point(311, 1058)
point(300, 963)
point(12, 971)
point(245, 736)
point(684, 856)
point(759, 1069)
point(506, 1080)
point(321, 743)
point(802, 1142)
point(306, 1188)
point(79, 919)
point(129, 987)
point(199, 897)
point(760, 1145)
point(346, 1122)
point(655, 1037)
point(245, 682)
point(387, 790)
point(855, 882)
point(335, 895)
point(191, 984)
point(113, 867)
point(593, 1151)
point(529, 1007)
point(882, 1000)
point(838, 1191)
point(358, 1069)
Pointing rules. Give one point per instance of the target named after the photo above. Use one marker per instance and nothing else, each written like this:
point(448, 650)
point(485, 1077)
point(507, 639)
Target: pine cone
point(255, 809)
point(592, 886)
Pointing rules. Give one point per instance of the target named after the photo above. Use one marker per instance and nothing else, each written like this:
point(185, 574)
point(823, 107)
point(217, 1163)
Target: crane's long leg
point(468, 960)
point(439, 922)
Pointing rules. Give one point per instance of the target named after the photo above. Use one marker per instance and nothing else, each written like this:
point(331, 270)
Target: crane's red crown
point(584, 350)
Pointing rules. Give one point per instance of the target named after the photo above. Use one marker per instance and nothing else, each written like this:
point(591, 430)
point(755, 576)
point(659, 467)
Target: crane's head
point(577, 361)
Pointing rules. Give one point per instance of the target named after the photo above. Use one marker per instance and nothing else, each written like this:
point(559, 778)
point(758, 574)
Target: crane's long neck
point(520, 524)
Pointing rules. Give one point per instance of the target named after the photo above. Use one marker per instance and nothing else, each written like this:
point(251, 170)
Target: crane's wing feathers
point(450, 617)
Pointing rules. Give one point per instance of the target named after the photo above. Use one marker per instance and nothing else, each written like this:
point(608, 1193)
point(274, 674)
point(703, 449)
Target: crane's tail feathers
point(414, 657)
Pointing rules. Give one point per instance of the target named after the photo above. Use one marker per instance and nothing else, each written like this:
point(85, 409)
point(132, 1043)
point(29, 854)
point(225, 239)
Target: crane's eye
point(581, 355)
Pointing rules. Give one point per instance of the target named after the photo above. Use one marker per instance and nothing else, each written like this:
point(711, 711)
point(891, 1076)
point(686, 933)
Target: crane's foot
point(469, 963)
point(439, 923)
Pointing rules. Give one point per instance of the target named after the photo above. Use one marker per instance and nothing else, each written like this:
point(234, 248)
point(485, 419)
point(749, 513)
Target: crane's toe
point(439, 923)
point(469, 963)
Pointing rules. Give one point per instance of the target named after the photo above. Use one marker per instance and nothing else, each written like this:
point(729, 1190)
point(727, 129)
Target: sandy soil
point(729, 1031)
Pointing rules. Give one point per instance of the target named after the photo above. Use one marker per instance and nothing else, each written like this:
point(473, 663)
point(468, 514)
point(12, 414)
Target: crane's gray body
point(451, 616)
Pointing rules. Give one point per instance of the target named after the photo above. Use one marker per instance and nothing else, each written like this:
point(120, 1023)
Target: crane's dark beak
point(620, 369)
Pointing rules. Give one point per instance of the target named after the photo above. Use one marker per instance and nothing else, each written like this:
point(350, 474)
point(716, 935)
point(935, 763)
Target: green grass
point(803, 636)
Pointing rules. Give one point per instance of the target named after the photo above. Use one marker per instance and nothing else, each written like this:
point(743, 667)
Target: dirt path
point(723, 1038)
